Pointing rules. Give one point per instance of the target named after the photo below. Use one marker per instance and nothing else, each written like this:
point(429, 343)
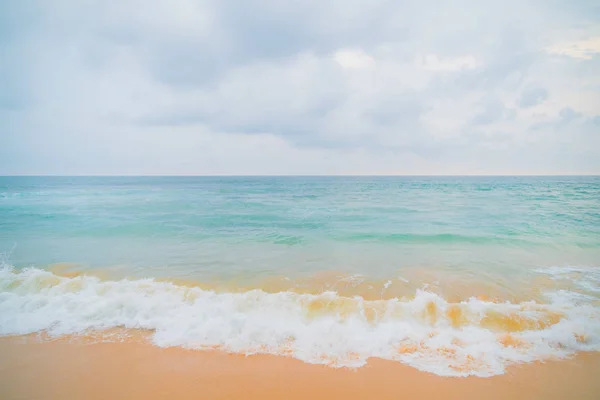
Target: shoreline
point(74, 369)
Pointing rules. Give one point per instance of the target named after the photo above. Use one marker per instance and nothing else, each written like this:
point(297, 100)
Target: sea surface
point(453, 275)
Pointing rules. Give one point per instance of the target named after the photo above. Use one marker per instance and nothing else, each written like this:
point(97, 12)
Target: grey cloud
point(568, 114)
point(533, 97)
point(492, 110)
point(264, 73)
point(13, 94)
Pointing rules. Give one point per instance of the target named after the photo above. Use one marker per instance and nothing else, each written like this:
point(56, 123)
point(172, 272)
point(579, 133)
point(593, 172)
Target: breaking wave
point(470, 337)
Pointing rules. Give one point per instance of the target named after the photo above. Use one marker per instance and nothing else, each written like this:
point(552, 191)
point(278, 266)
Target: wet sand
point(76, 370)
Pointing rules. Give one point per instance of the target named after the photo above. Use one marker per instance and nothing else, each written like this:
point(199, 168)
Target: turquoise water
point(456, 276)
point(217, 226)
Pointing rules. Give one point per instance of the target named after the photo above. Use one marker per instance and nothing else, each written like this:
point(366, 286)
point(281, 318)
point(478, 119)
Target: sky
point(312, 87)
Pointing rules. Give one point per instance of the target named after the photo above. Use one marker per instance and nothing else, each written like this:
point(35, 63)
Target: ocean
point(456, 276)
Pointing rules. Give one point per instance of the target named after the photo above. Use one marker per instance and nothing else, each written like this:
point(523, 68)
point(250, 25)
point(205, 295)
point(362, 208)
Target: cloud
point(568, 114)
point(353, 59)
point(582, 49)
point(318, 87)
point(433, 63)
point(532, 97)
point(491, 110)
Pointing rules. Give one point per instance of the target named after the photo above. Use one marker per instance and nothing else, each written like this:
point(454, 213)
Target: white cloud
point(353, 59)
point(582, 49)
point(434, 63)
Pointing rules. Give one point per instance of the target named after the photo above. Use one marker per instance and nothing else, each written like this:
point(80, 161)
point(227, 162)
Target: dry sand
point(30, 369)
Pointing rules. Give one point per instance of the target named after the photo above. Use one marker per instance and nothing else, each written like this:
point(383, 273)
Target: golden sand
point(77, 369)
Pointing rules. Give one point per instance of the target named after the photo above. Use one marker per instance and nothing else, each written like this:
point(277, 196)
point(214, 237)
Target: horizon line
point(282, 175)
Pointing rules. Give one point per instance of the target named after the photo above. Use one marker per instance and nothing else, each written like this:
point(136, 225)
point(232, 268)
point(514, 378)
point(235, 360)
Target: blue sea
point(453, 275)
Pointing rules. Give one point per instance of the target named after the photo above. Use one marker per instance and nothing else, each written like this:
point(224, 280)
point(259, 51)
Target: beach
point(300, 200)
point(73, 370)
point(298, 287)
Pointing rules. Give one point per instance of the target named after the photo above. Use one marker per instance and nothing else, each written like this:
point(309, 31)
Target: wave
point(442, 238)
point(471, 337)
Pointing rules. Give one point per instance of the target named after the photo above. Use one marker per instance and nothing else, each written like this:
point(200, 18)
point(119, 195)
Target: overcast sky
point(299, 87)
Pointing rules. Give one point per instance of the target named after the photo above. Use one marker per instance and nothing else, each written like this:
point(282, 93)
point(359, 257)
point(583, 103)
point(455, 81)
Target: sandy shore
point(76, 370)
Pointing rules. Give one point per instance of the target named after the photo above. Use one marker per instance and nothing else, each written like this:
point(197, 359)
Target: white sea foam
point(473, 337)
point(585, 278)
